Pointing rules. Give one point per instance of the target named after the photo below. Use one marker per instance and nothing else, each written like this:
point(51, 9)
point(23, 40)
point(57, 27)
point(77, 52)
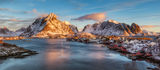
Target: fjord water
point(58, 54)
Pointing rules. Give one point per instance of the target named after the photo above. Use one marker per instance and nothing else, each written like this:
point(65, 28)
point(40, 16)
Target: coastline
point(12, 51)
point(107, 41)
point(123, 45)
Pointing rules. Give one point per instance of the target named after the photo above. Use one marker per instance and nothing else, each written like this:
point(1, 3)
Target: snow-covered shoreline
point(128, 45)
point(151, 47)
point(10, 50)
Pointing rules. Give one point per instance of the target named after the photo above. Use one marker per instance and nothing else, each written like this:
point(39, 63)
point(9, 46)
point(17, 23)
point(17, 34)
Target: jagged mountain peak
point(113, 21)
point(48, 26)
point(51, 16)
point(135, 28)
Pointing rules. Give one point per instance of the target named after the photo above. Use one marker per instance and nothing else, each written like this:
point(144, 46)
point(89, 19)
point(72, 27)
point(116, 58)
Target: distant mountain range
point(6, 32)
point(50, 25)
point(112, 27)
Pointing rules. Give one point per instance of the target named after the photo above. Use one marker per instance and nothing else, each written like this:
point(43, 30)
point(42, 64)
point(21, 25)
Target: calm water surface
point(57, 54)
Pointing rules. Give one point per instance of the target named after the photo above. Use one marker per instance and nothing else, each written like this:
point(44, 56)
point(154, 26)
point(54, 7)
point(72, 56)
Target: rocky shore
point(11, 50)
point(132, 47)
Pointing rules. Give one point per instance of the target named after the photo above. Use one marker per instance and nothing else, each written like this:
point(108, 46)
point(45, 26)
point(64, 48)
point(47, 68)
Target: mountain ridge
point(112, 27)
point(47, 26)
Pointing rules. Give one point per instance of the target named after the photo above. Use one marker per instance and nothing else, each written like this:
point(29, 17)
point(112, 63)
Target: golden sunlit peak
point(52, 15)
point(113, 21)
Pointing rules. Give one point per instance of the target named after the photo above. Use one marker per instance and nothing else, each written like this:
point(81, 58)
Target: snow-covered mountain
point(20, 31)
point(112, 27)
point(5, 32)
point(149, 33)
point(48, 26)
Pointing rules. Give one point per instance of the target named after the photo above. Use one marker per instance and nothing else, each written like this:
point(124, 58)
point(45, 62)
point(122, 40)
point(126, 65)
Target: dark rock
point(135, 28)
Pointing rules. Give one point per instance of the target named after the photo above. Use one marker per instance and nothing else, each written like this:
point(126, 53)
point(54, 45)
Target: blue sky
point(15, 14)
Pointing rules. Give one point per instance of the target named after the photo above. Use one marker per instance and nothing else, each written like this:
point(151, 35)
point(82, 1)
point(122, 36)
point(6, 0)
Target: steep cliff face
point(112, 27)
point(48, 26)
point(33, 29)
point(135, 28)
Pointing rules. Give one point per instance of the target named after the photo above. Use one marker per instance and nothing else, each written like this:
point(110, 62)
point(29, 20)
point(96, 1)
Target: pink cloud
point(93, 16)
point(150, 26)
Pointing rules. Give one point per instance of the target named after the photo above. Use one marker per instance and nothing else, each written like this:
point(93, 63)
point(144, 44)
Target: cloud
point(3, 9)
point(150, 26)
point(5, 16)
point(93, 16)
point(13, 10)
point(16, 20)
point(11, 21)
point(15, 24)
point(33, 11)
point(7, 9)
point(38, 13)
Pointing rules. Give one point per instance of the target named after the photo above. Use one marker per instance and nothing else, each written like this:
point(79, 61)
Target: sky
point(15, 14)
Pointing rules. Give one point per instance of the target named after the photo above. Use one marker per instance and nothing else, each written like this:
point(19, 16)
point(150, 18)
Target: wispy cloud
point(150, 16)
point(11, 21)
point(5, 16)
point(12, 10)
point(93, 16)
point(16, 20)
point(7, 9)
point(33, 11)
point(150, 26)
point(15, 24)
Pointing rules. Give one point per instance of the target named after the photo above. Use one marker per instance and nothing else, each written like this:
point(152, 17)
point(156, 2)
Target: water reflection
point(1, 61)
point(131, 66)
point(97, 55)
point(57, 54)
point(54, 57)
